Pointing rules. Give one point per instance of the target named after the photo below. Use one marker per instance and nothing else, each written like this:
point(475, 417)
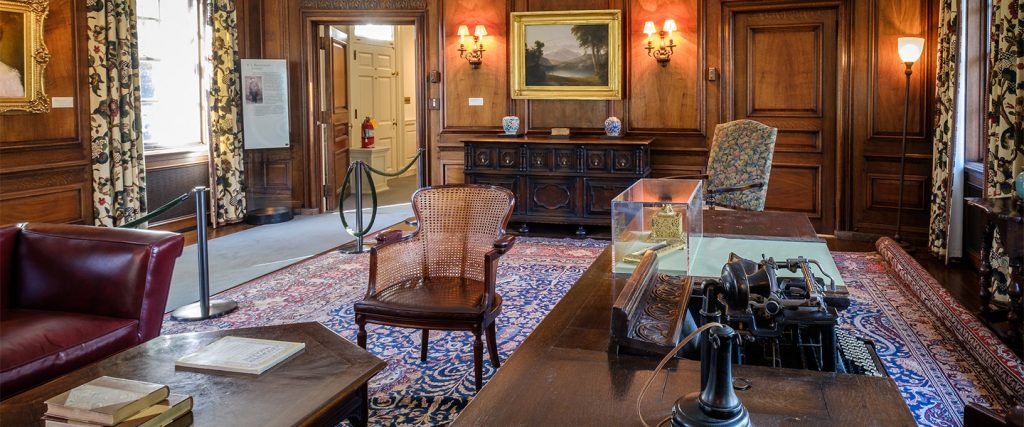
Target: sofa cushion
point(39, 345)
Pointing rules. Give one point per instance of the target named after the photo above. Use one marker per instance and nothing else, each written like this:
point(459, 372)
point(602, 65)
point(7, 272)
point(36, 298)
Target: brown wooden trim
point(175, 159)
point(177, 225)
point(313, 151)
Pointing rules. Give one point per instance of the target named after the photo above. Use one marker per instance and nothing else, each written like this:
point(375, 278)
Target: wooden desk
point(563, 373)
point(323, 385)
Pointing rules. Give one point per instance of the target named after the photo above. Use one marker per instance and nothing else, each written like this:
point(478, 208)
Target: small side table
point(1006, 214)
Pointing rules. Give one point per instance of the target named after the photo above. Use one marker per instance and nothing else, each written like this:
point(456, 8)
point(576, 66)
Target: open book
point(243, 355)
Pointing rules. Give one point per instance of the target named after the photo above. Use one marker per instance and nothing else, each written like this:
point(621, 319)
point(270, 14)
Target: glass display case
point(663, 215)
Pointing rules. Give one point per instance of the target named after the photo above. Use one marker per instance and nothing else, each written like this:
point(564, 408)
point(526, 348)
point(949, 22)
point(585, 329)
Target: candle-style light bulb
point(463, 32)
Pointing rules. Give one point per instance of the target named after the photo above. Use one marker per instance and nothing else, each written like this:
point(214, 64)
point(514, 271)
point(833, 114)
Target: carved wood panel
point(551, 196)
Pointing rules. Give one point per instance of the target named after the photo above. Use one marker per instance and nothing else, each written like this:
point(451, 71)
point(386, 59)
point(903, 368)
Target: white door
point(374, 88)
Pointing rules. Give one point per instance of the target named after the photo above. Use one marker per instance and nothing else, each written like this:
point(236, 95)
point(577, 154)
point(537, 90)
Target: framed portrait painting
point(23, 56)
point(566, 55)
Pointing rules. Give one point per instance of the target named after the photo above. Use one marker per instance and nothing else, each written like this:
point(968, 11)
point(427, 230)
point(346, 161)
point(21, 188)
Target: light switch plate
point(63, 102)
point(435, 104)
point(476, 102)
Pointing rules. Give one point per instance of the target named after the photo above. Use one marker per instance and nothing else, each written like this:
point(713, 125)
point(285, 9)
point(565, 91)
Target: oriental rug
point(935, 374)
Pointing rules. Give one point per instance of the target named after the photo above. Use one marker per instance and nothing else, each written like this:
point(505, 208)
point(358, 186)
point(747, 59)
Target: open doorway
point(367, 79)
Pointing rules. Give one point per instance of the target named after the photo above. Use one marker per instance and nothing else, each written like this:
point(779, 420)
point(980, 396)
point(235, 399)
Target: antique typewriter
point(782, 321)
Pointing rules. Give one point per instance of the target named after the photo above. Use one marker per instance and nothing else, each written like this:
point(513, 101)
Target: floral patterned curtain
point(225, 102)
point(1005, 157)
point(945, 121)
point(118, 167)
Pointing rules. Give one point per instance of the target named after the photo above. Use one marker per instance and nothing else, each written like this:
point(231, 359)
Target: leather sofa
point(71, 295)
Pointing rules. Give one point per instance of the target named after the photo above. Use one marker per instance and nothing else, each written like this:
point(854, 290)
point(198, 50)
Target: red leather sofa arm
point(93, 270)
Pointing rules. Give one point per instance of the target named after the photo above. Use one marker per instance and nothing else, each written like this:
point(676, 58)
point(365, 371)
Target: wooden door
point(339, 114)
point(784, 74)
point(375, 92)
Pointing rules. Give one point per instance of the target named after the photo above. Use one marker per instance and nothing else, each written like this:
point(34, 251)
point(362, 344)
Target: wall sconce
point(664, 51)
point(476, 54)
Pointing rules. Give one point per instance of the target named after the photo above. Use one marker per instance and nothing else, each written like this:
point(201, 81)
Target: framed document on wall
point(265, 103)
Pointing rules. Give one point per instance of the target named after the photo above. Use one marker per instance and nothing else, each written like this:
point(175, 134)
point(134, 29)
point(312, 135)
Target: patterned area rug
point(935, 375)
point(532, 278)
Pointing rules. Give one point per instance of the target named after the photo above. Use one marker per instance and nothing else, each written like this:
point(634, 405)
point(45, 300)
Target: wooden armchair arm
point(751, 186)
point(697, 176)
point(504, 244)
point(388, 236)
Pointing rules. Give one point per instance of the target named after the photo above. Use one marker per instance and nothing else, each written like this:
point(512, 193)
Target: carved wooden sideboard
point(559, 180)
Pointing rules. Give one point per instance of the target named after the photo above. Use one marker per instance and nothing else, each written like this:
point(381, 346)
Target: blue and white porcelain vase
point(510, 124)
point(613, 126)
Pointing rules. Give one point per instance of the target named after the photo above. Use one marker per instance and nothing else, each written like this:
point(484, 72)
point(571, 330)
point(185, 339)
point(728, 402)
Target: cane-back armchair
point(739, 165)
point(442, 276)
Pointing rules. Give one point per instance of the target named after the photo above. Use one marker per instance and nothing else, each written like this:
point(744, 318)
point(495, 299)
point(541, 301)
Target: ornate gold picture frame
point(23, 56)
point(566, 55)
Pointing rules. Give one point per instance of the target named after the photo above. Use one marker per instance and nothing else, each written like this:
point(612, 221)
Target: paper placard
point(265, 103)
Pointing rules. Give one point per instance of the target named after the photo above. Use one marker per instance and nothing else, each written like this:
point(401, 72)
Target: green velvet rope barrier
point(352, 168)
point(373, 192)
point(164, 208)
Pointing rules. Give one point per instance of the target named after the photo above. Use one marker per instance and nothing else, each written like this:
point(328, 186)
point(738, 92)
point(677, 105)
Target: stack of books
point(109, 401)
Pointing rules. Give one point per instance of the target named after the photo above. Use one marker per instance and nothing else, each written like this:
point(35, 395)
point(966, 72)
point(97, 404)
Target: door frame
point(312, 146)
point(844, 96)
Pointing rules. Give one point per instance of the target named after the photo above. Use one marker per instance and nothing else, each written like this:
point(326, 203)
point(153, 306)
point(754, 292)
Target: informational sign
point(265, 103)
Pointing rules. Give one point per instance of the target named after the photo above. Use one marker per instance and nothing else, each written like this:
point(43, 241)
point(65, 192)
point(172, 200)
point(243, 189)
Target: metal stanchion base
point(218, 307)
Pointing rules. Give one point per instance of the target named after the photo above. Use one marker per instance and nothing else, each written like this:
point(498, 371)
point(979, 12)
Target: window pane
point(146, 80)
point(148, 9)
point(375, 32)
point(169, 73)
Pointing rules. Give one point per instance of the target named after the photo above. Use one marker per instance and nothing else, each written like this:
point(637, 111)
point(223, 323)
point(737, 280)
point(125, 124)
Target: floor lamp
point(910, 49)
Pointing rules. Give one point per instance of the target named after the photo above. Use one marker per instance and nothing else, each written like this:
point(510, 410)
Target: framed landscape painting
point(23, 56)
point(566, 55)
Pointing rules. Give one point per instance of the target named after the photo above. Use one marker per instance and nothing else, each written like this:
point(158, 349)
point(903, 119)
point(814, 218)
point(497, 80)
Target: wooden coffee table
point(323, 385)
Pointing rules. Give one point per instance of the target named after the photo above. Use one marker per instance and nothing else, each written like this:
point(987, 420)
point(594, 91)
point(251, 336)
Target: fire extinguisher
point(367, 133)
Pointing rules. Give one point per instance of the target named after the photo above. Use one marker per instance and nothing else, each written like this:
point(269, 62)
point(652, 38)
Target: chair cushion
point(39, 345)
point(430, 298)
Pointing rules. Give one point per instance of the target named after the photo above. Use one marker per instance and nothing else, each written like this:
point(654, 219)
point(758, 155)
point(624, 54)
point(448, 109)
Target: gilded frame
point(517, 51)
point(35, 57)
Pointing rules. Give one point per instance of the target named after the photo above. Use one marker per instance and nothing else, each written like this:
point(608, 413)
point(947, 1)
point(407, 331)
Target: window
point(975, 47)
point(375, 32)
point(170, 74)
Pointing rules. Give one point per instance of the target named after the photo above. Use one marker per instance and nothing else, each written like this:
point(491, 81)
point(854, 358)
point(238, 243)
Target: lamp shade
point(463, 31)
point(480, 31)
point(910, 48)
point(670, 25)
point(649, 28)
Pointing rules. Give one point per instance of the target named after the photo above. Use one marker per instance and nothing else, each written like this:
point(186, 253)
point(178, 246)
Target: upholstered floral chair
point(442, 276)
point(739, 165)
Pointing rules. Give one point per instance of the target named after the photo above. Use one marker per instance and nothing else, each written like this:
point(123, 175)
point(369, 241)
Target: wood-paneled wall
point(679, 105)
point(45, 172)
